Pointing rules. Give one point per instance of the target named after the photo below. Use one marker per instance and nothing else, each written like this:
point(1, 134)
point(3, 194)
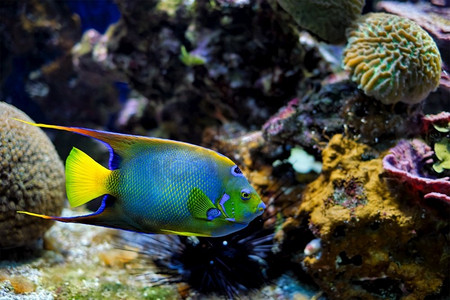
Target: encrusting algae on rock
point(328, 19)
point(31, 176)
point(372, 236)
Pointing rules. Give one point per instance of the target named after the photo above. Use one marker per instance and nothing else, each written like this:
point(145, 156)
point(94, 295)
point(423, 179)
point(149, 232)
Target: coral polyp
point(392, 58)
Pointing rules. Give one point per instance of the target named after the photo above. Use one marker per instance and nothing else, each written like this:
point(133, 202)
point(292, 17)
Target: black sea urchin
point(228, 265)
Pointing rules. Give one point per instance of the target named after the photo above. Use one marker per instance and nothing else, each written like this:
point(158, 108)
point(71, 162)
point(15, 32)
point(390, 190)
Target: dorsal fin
point(118, 144)
point(122, 146)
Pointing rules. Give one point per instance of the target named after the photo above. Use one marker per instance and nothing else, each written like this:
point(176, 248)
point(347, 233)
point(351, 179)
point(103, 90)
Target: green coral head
point(240, 203)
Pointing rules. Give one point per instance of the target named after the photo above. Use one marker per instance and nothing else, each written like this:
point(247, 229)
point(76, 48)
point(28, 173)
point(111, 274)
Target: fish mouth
point(260, 208)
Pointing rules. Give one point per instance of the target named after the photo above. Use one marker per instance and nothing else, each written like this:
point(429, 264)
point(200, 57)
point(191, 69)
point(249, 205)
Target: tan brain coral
point(328, 19)
point(392, 58)
point(31, 178)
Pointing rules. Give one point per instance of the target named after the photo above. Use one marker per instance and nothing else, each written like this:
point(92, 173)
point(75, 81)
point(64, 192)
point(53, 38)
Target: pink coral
point(441, 119)
point(406, 162)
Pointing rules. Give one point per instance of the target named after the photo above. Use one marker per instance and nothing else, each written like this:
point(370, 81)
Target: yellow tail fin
point(85, 178)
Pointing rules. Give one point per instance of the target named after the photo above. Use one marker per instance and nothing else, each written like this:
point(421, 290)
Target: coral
point(442, 151)
point(327, 19)
point(392, 58)
point(274, 125)
point(440, 122)
point(31, 178)
point(407, 161)
point(302, 162)
point(432, 18)
point(435, 129)
point(374, 243)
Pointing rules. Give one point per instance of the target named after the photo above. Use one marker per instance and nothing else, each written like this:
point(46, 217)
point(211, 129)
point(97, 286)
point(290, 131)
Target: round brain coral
point(392, 58)
point(328, 19)
point(31, 178)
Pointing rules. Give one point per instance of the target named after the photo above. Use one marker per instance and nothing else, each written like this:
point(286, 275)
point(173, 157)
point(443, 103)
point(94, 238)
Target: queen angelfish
point(157, 185)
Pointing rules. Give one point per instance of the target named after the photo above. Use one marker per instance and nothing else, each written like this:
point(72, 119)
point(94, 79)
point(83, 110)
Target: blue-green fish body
point(159, 186)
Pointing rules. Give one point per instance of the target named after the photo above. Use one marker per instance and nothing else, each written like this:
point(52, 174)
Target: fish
point(160, 186)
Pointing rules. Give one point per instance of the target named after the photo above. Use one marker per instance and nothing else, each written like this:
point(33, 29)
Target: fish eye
point(245, 194)
point(235, 171)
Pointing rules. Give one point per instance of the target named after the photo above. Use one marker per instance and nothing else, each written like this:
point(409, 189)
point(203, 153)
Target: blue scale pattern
point(155, 185)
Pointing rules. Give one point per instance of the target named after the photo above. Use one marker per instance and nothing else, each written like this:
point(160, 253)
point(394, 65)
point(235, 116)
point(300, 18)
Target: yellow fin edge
point(38, 124)
point(34, 215)
point(166, 231)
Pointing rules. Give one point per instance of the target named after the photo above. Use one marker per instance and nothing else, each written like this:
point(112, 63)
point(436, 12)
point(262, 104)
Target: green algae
point(96, 281)
point(442, 150)
point(115, 291)
point(189, 59)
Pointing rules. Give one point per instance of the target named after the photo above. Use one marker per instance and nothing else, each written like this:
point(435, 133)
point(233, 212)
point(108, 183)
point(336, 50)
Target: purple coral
point(406, 162)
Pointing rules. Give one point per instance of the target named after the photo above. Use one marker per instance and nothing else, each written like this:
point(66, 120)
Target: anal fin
point(106, 216)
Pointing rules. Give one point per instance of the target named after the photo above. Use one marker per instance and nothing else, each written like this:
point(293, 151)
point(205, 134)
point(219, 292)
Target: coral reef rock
point(320, 114)
point(375, 243)
point(247, 62)
point(28, 26)
point(327, 19)
point(392, 58)
point(31, 178)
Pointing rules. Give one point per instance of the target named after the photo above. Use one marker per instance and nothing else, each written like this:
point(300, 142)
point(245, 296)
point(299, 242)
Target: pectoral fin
point(200, 206)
